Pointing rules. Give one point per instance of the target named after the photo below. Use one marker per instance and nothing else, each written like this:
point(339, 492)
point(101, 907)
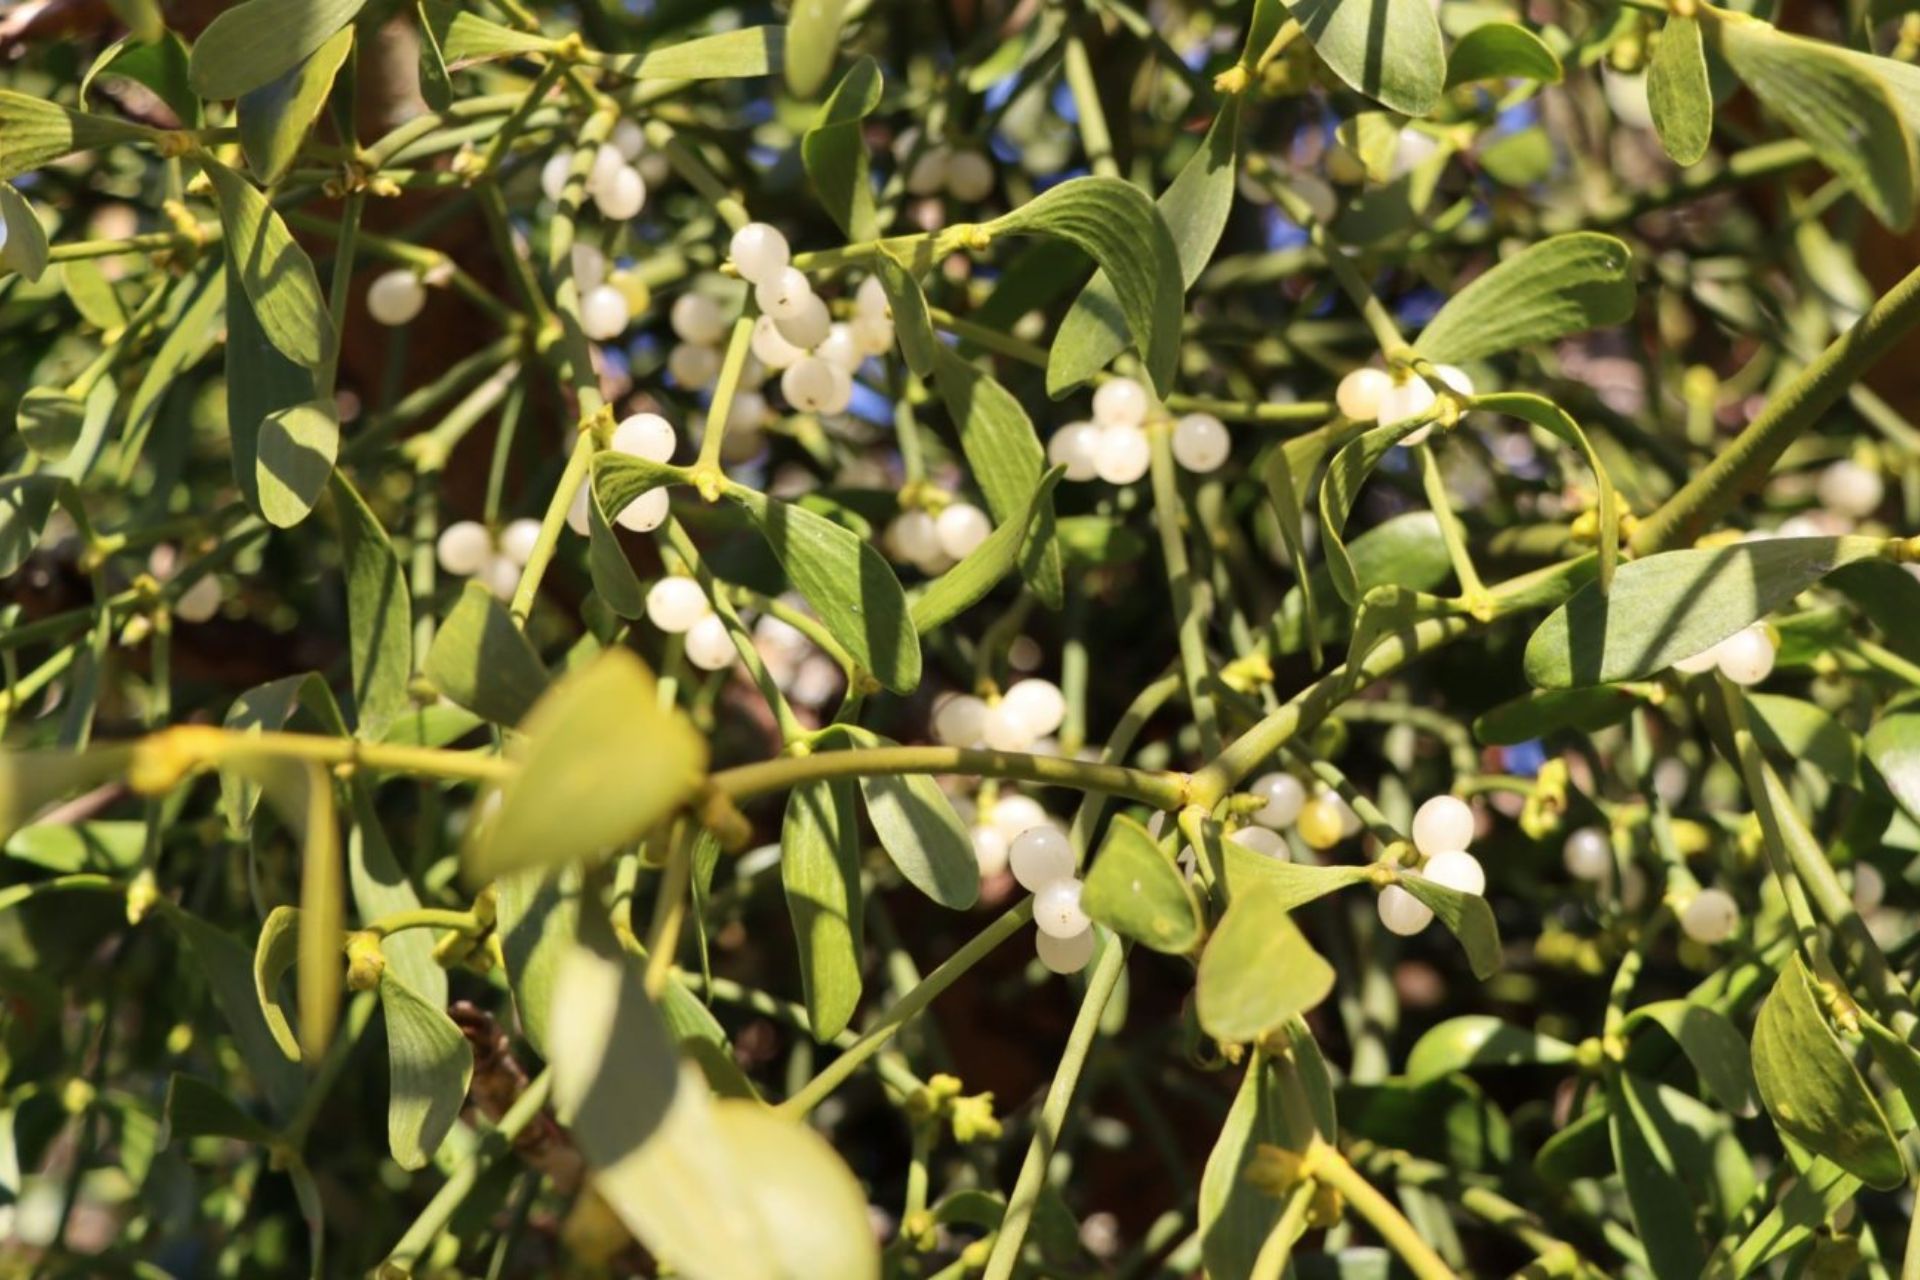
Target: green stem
point(1167, 512)
point(721, 406)
point(1740, 467)
point(1271, 1264)
point(1053, 1112)
point(1330, 1167)
point(1095, 137)
point(909, 1006)
point(1159, 789)
point(425, 918)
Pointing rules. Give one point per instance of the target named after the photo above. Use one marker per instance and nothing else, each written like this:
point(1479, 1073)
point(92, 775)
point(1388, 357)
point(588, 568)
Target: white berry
point(1076, 447)
point(840, 348)
point(873, 334)
point(1268, 844)
point(809, 385)
point(1401, 912)
point(1201, 442)
point(1361, 392)
point(692, 365)
point(645, 435)
point(1746, 657)
point(1120, 402)
point(1283, 796)
point(1005, 729)
point(1457, 870)
point(989, 850)
point(645, 513)
point(607, 164)
point(1442, 825)
point(1064, 955)
point(676, 604)
point(809, 327)
point(553, 175)
point(603, 313)
point(1039, 704)
point(960, 720)
point(1711, 917)
point(770, 348)
point(589, 266)
point(914, 535)
point(621, 196)
point(1122, 454)
point(783, 294)
point(1014, 814)
point(759, 252)
point(199, 602)
point(697, 318)
point(928, 174)
point(628, 138)
point(1041, 855)
point(396, 297)
point(1455, 379)
point(870, 299)
point(961, 528)
point(464, 548)
point(709, 644)
point(501, 576)
point(1699, 663)
point(1408, 397)
point(517, 540)
point(1850, 489)
point(969, 176)
point(1056, 909)
point(1588, 854)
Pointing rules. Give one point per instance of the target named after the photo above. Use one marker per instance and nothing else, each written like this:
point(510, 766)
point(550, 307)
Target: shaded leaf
point(820, 870)
point(1501, 51)
point(274, 118)
point(1467, 917)
point(835, 151)
point(197, 1109)
point(1712, 1044)
point(1657, 1191)
point(379, 614)
point(273, 271)
point(429, 1063)
point(34, 131)
point(252, 43)
point(1389, 50)
point(954, 591)
point(1561, 285)
point(483, 662)
point(1478, 1040)
point(923, 835)
point(1134, 889)
point(1258, 970)
point(296, 452)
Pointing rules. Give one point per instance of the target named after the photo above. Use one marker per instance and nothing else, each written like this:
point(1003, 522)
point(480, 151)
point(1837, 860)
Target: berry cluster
point(1024, 718)
point(468, 549)
point(1042, 861)
point(961, 172)
point(1114, 447)
point(796, 335)
point(1442, 830)
point(935, 543)
point(1374, 395)
point(616, 182)
point(642, 435)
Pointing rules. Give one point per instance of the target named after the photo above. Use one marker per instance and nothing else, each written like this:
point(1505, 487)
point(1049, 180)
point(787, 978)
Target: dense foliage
point(926, 639)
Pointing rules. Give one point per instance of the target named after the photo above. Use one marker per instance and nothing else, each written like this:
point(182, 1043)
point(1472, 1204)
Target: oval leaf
point(1389, 50)
point(252, 43)
point(481, 661)
point(273, 270)
point(820, 870)
point(924, 836)
point(1258, 971)
point(429, 1065)
point(1477, 1040)
point(1678, 91)
point(1501, 51)
point(1564, 284)
point(1135, 890)
point(297, 449)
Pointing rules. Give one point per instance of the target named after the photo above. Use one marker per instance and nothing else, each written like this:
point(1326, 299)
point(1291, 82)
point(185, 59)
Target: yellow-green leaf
point(1134, 889)
point(274, 118)
point(481, 661)
point(813, 42)
point(1501, 51)
point(35, 131)
point(1561, 285)
point(297, 448)
point(273, 270)
point(604, 762)
point(1678, 92)
point(1390, 50)
point(820, 870)
point(429, 1065)
point(1258, 970)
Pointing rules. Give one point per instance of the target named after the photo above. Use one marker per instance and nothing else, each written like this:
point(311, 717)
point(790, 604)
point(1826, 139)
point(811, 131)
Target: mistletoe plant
point(879, 638)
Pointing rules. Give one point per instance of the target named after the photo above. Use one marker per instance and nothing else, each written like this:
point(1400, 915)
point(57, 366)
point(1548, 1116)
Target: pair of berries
point(1029, 711)
point(1374, 395)
point(679, 607)
point(1113, 446)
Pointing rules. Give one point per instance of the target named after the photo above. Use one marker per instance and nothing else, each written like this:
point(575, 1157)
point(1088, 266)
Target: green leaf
point(431, 20)
point(1550, 417)
point(1007, 462)
point(273, 271)
point(34, 132)
point(296, 451)
point(1678, 91)
point(92, 295)
point(820, 870)
point(25, 247)
point(912, 324)
point(1842, 110)
point(835, 151)
point(274, 955)
point(1803, 732)
point(260, 382)
point(729, 55)
point(1134, 889)
point(1712, 1044)
point(480, 660)
point(1888, 596)
point(379, 614)
point(1676, 604)
point(607, 563)
point(1803, 1208)
point(1537, 714)
point(1258, 970)
point(813, 42)
point(1194, 206)
point(227, 966)
point(274, 118)
point(252, 43)
point(537, 918)
point(1293, 884)
point(811, 1212)
point(1349, 470)
point(26, 502)
point(430, 1064)
point(924, 836)
point(191, 325)
point(1477, 1040)
point(1896, 1057)
point(1811, 1089)
point(1115, 224)
point(267, 708)
point(381, 888)
point(960, 587)
point(1561, 285)
point(1893, 744)
point(67, 847)
point(1283, 492)
point(847, 581)
point(50, 419)
point(1467, 917)
point(1236, 1217)
point(1657, 1189)
point(582, 739)
point(196, 1109)
point(1389, 50)
point(1501, 51)
point(469, 38)
point(159, 62)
